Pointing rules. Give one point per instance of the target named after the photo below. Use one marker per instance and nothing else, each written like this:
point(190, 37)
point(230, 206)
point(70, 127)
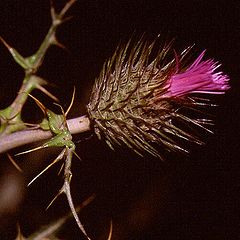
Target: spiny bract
point(137, 98)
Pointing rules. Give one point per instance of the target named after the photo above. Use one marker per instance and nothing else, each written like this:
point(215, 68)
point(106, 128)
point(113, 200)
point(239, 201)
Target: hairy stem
point(75, 125)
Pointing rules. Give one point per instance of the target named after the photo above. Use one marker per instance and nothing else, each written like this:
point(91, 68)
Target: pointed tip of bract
point(5, 43)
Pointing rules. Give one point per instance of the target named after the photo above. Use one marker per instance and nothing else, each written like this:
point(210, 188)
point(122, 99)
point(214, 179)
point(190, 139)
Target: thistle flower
point(141, 96)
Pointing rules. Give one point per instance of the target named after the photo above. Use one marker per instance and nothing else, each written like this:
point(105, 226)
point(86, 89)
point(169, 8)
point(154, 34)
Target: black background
point(195, 198)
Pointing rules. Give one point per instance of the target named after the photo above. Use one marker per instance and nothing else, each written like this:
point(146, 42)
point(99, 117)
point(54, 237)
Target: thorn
point(61, 168)
point(31, 150)
point(5, 44)
point(40, 105)
point(110, 231)
point(19, 233)
point(63, 113)
point(31, 125)
point(14, 163)
point(66, 189)
point(6, 119)
point(60, 107)
point(60, 45)
point(52, 10)
point(77, 155)
point(58, 158)
point(58, 194)
point(70, 106)
point(58, 18)
point(19, 59)
point(55, 42)
point(86, 202)
point(66, 19)
point(53, 227)
point(45, 91)
point(72, 100)
point(66, 7)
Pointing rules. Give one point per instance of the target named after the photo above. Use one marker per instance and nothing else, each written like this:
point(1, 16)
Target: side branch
point(76, 125)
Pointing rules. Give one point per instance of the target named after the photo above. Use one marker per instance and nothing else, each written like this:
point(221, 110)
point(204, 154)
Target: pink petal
point(200, 77)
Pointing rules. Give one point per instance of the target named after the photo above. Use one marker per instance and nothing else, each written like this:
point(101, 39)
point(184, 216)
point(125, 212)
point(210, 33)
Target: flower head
point(200, 77)
point(138, 97)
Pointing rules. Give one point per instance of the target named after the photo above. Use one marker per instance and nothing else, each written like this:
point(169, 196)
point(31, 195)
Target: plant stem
point(75, 125)
point(10, 117)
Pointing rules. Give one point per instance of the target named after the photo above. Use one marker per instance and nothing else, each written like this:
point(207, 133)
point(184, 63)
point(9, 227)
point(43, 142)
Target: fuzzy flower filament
point(200, 77)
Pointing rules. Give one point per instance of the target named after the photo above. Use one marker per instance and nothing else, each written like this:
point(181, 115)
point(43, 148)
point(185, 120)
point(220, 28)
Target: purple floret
point(200, 77)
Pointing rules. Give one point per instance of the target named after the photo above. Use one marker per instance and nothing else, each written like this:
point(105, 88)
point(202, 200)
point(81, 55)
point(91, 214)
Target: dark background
point(184, 198)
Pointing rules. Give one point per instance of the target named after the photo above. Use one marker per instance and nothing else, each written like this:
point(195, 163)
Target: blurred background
point(194, 197)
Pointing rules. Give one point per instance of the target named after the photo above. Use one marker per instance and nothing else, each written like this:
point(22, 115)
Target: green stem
point(10, 117)
point(57, 19)
point(37, 59)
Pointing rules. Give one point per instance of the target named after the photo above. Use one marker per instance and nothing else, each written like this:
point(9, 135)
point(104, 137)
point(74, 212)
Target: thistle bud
point(143, 94)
